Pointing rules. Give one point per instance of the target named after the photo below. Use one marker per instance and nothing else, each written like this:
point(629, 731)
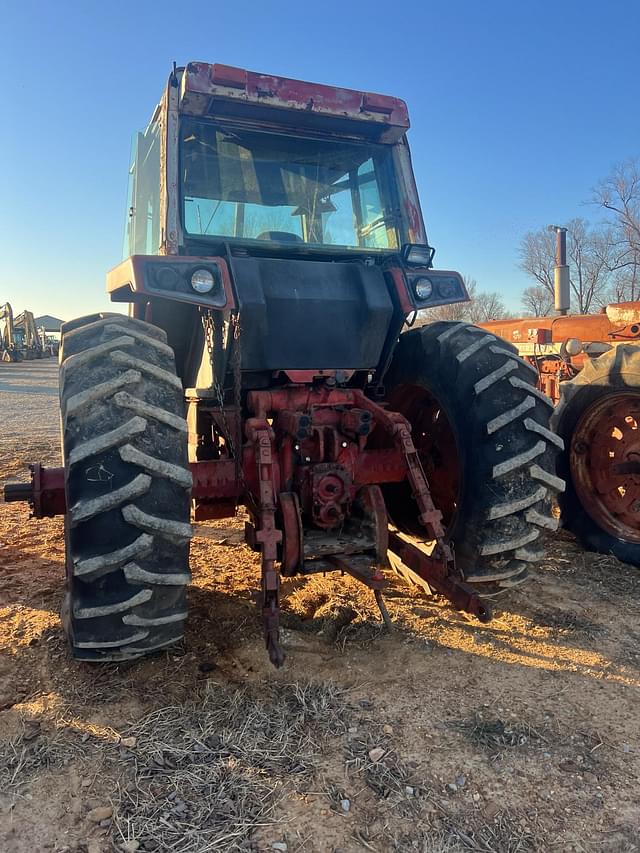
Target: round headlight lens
point(423, 288)
point(202, 281)
point(573, 346)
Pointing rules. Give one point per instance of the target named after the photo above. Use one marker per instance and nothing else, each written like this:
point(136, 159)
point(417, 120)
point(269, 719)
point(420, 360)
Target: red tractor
point(276, 252)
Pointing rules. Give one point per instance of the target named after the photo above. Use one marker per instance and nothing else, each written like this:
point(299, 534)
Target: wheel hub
point(605, 464)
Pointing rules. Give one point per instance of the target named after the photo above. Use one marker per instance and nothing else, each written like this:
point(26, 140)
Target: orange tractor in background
point(589, 365)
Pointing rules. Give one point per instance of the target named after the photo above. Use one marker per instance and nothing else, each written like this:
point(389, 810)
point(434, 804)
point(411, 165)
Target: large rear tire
point(127, 483)
point(598, 417)
point(481, 428)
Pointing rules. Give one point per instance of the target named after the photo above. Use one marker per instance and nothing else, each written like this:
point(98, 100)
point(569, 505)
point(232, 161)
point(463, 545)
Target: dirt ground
point(444, 735)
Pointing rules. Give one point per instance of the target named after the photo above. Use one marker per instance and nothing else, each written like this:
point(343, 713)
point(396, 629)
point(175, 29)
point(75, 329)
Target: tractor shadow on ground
point(28, 580)
point(545, 626)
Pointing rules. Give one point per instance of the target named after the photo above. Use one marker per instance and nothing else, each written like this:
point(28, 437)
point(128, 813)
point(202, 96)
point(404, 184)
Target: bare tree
point(590, 255)
point(487, 306)
point(537, 257)
point(625, 285)
point(619, 195)
point(537, 300)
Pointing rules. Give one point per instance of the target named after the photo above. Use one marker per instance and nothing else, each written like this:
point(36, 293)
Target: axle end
point(18, 492)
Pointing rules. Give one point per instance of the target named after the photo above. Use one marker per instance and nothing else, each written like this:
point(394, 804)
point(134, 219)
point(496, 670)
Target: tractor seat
point(280, 236)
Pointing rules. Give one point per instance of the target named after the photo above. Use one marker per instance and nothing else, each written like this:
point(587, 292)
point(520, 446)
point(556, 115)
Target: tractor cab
point(291, 203)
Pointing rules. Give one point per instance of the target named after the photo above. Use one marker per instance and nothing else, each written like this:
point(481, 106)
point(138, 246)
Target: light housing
point(429, 288)
point(140, 277)
point(417, 254)
point(202, 281)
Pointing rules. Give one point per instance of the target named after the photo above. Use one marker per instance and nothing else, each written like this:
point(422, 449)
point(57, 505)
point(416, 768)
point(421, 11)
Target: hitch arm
point(267, 536)
point(436, 573)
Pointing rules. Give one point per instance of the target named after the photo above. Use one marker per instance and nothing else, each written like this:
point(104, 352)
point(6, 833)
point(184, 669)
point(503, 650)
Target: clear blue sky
point(517, 109)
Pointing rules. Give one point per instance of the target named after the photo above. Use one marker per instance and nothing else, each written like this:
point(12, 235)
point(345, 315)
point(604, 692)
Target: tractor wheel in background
point(481, 428)
point(598, 417)
point(127, 483)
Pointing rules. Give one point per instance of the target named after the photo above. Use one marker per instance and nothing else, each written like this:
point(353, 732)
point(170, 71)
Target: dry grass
point(205, 776)
point(31, 752)
point(496, 735)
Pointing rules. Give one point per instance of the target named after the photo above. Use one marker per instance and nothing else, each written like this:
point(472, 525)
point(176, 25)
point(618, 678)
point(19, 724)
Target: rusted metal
point(435, 442)
point(436, 572)
point(292, 534)
point(207, 510)
point(207, 88)
point(216, 479)
point(363, 569)
point(45, 492)
point(385, 465)
point(268, 537)
point(169, 172)
point(605, 464)
point(430, 517)
point(305, 398)
point(375, 523)
point(542, 341)
point(213, 480)
point(383, 609)
point(324, 459)
point(326, 494)
point(618, 322)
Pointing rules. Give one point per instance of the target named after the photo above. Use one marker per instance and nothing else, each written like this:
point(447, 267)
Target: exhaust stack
point(562, 293)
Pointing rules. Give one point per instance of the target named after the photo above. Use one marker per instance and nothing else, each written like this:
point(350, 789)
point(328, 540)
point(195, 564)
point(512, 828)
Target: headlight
point(202, 281)
point(423, 289)
point(573, 346)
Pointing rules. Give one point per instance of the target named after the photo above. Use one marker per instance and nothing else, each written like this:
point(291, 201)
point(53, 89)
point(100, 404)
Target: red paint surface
point(204, 79)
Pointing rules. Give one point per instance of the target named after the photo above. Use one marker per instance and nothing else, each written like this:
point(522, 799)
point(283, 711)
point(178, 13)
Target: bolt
point(580, 447)
point(296, 447)
point(345, 444)
point(307, 459)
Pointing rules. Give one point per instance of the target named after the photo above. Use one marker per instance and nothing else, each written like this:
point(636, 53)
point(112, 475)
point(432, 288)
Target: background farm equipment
point(589, 365)
point(29, 339)
point(20, 338)
point(49, 329)
point(276, 251)
point(8, 348)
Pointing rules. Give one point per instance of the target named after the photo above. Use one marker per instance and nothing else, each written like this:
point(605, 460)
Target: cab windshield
point(266, 186)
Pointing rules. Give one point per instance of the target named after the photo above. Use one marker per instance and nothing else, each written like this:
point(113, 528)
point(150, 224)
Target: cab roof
point(225, 91)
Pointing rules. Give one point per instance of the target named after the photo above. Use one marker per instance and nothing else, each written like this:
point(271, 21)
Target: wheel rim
point(435, 442)
point(605, 464)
